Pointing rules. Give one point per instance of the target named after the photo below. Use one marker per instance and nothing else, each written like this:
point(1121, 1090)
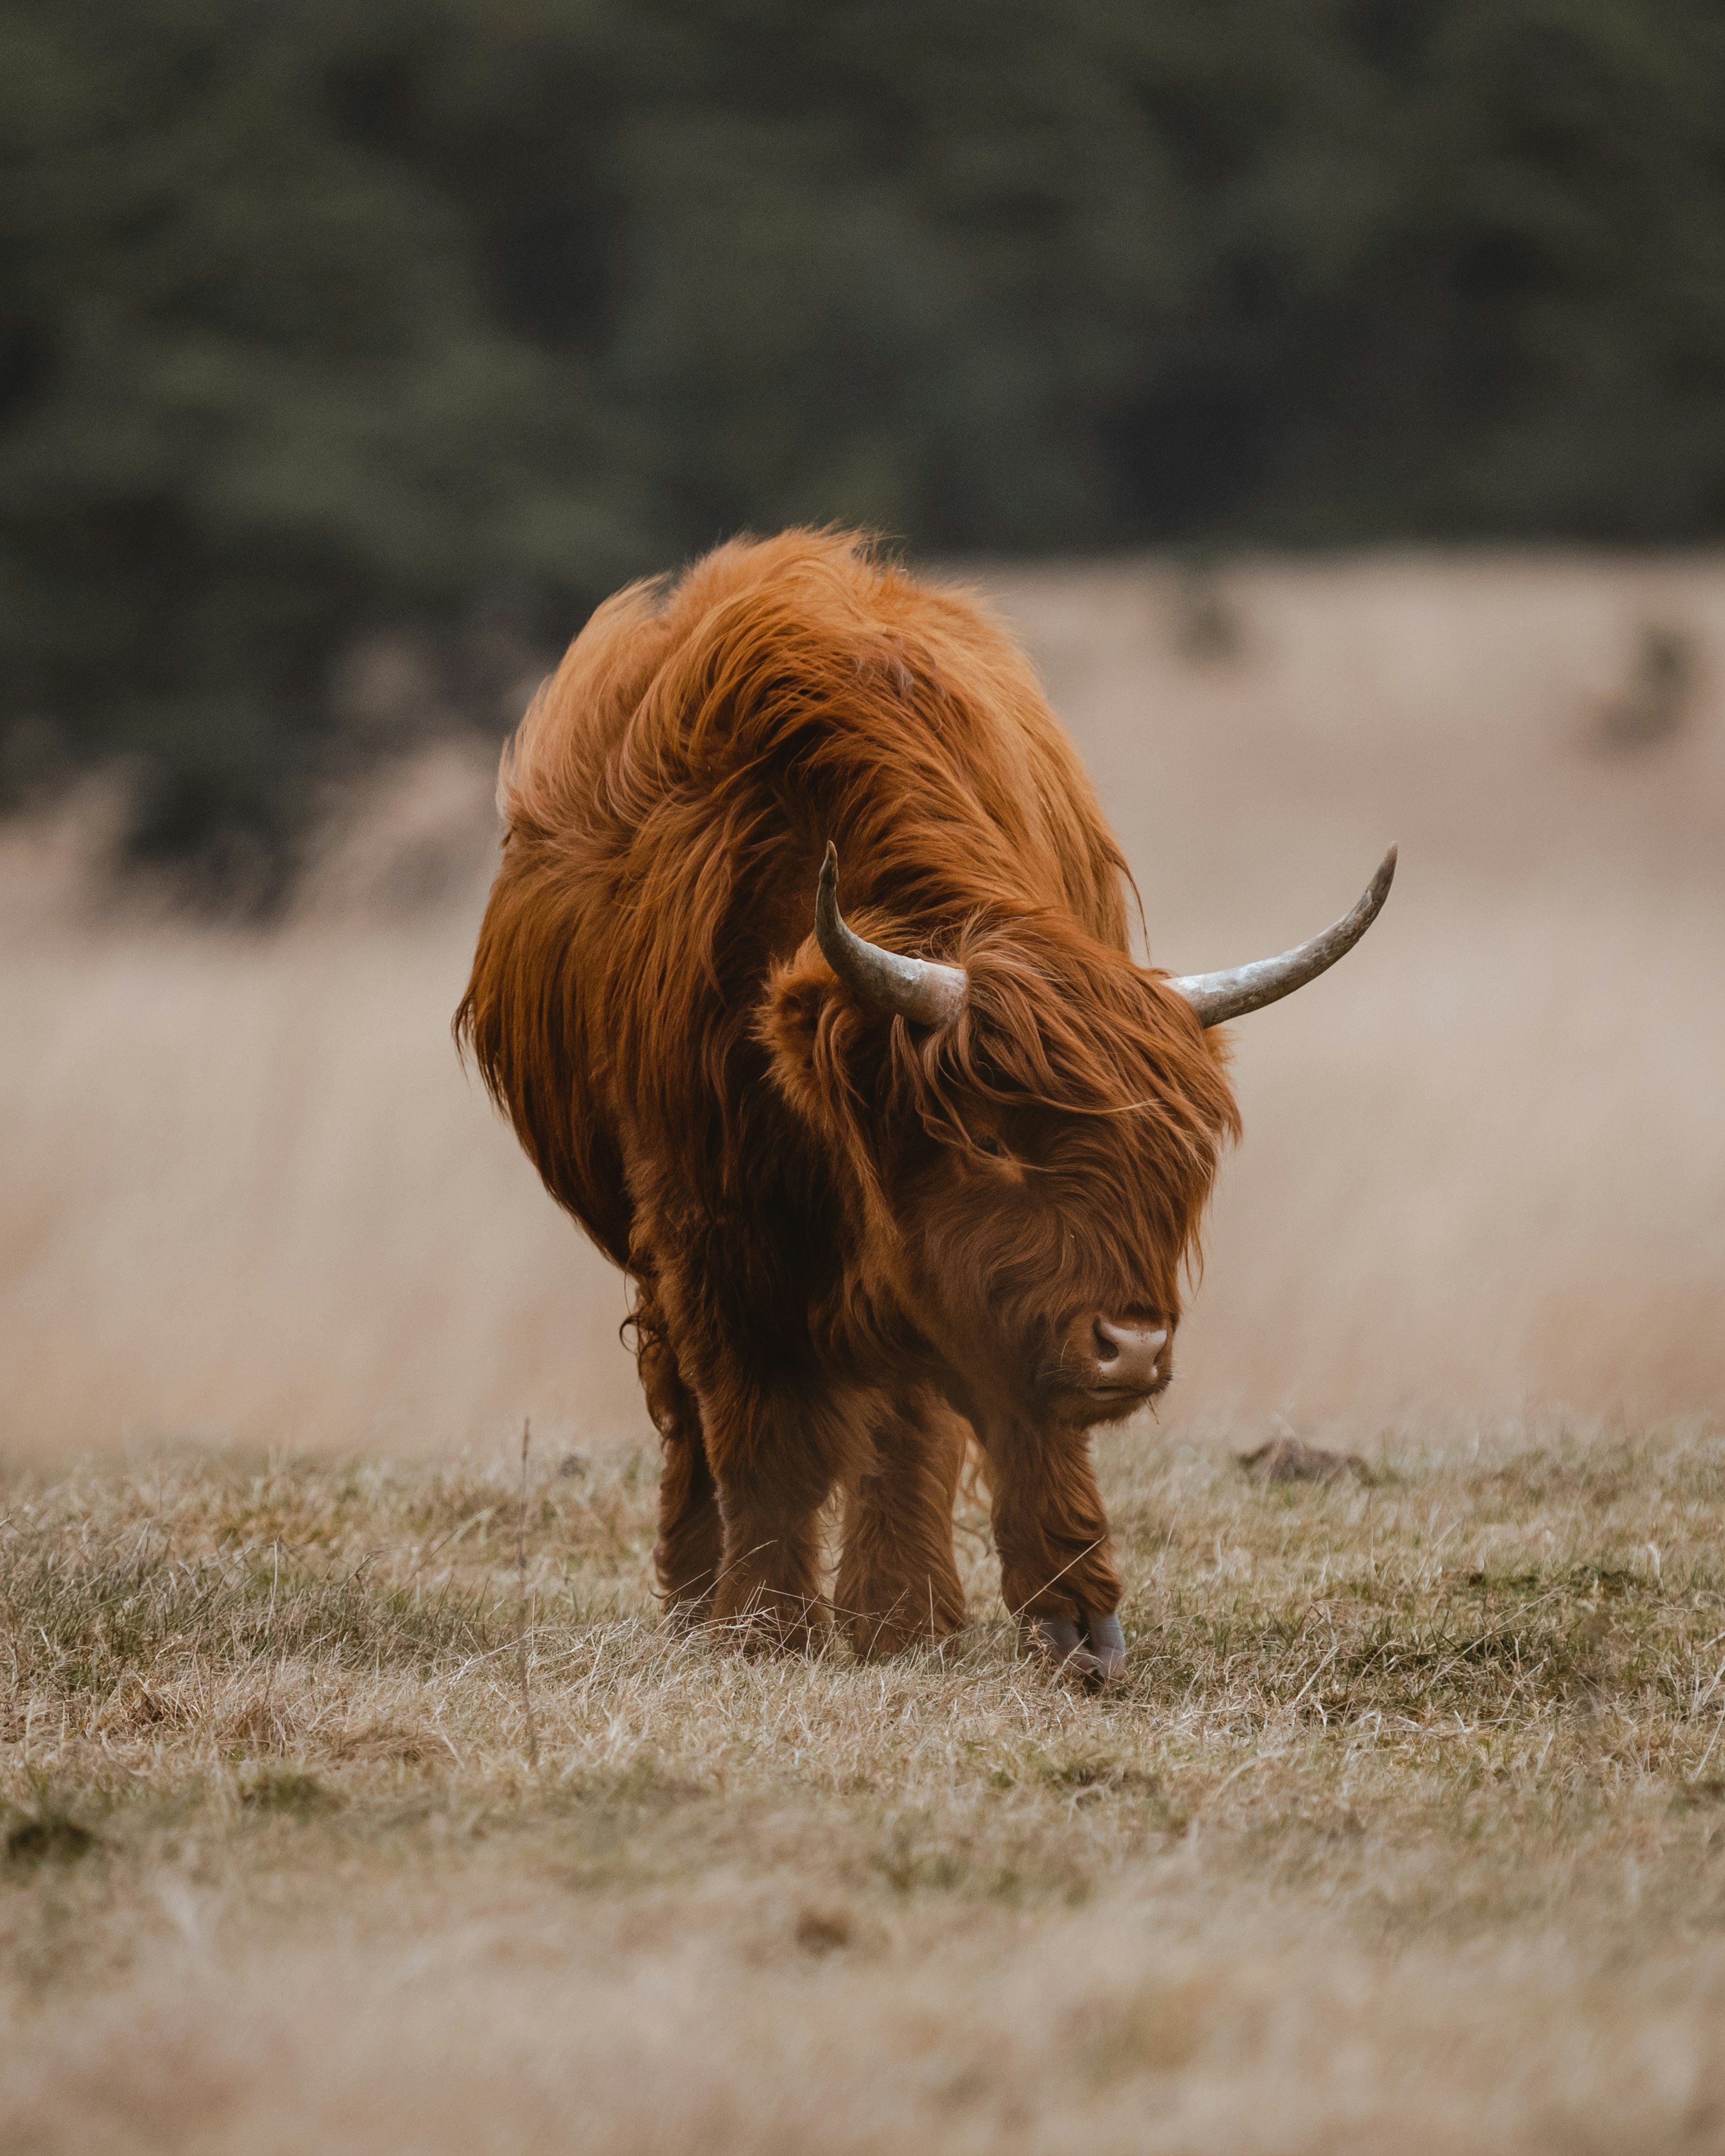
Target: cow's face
point(1027, 1183)
point(1042, 1254)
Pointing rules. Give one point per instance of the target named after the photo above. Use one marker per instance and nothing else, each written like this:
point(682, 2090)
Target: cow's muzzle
point(1126, 1357)
point(1107, 1365)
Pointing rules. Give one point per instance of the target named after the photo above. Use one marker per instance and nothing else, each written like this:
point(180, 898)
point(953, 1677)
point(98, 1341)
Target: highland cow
point(885, 1177)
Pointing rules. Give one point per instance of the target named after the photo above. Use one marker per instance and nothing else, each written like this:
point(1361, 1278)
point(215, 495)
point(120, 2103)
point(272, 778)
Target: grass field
point(1405, 1830)
point(349, 1804)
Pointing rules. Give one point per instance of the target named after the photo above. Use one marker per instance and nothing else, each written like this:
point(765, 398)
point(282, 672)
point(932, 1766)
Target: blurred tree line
point(445, 316)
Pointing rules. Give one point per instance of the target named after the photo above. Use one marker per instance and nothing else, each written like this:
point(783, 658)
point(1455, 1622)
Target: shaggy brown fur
point(851, 1236)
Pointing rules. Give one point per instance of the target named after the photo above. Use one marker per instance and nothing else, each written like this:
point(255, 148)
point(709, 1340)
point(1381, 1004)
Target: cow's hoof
point(1095, 1653)
point(1055, 1639)
point(1107, 1642)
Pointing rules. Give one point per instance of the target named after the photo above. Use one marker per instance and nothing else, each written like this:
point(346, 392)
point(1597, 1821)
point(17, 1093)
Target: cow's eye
point(989, 1144)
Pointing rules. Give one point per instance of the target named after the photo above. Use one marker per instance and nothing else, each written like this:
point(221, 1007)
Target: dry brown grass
point(1404, 1829)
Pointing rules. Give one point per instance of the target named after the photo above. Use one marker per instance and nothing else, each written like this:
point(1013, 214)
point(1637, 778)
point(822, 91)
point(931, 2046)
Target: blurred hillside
point(349, 353)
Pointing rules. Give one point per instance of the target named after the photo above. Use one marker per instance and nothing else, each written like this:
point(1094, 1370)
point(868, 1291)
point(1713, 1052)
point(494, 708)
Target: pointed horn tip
point(1218, 998)
point(1378, 890)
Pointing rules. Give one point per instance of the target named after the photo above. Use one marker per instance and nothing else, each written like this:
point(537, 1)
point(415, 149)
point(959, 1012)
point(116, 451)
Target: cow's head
point(1029, 1135)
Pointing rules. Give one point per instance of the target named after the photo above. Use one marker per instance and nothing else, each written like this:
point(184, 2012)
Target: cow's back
point(665, 804)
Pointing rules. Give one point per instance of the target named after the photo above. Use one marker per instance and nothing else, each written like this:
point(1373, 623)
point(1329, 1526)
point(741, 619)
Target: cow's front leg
point(775, 1459)
point(1052, 1535)
point(897, 1582)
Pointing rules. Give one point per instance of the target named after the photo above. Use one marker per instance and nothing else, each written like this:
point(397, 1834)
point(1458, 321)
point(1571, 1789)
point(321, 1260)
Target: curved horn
point(1218, 997)
point(915, 988)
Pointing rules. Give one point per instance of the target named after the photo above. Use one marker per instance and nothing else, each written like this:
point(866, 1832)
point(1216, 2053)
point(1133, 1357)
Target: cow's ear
point(795, 1028)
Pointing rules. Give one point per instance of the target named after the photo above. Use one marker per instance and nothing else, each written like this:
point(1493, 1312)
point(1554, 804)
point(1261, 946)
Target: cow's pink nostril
point(1127, 1354)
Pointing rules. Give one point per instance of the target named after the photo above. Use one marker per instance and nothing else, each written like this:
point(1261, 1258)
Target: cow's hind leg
point(687, 1554)
point(897, 1582)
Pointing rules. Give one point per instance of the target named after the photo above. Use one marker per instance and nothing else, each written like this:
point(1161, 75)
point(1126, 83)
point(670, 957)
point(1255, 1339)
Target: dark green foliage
point(446, 315)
